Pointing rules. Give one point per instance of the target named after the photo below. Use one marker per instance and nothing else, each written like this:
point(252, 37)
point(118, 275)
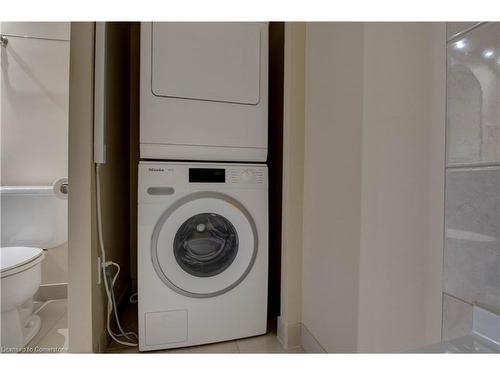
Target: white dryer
point(202, 253)
point(204, 91)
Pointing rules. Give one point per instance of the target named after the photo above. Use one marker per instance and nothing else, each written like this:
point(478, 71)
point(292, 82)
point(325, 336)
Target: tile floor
point(52, 337)
point(260, 344)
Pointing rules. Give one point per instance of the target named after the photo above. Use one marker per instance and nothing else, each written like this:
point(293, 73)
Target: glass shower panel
point(472, 253)
point(472, 245)
point(473, 96)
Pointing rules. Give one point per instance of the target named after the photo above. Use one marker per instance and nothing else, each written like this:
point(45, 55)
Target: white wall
point(34, 115)
point(373, 186)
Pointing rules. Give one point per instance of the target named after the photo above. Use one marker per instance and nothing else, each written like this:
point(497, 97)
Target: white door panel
point(206, 61)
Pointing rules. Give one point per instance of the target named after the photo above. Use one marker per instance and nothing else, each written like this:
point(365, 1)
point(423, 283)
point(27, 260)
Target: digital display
point(207, 175)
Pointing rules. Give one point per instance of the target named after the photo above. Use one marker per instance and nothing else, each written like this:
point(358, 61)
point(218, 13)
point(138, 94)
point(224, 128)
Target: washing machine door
point(204, 245)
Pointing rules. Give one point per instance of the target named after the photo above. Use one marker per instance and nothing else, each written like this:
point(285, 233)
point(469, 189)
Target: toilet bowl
point(20, 278)
point(33, 218)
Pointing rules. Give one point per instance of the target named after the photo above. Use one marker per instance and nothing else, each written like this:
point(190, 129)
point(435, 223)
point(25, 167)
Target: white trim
point(289, 335)
point(100, 93)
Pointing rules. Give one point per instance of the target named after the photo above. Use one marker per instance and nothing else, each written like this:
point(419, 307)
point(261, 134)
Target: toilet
point(33, 219)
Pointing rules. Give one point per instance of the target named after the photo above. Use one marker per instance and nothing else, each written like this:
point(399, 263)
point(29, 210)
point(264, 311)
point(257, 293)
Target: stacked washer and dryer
point(203, 193)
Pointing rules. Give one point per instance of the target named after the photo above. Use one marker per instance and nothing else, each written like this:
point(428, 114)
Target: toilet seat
point(17, 259)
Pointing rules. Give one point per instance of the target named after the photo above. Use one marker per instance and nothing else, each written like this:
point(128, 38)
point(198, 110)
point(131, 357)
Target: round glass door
point(204, 244)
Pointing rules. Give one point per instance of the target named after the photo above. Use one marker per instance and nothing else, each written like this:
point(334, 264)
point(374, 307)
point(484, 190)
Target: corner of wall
point(332, 183)
point(289, 335)
point(309, 343)
point(82, 244)
point(293, 182)
point(437, 182)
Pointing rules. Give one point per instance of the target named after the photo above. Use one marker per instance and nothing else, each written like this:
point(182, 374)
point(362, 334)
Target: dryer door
point(204, 245)
point(206, 61)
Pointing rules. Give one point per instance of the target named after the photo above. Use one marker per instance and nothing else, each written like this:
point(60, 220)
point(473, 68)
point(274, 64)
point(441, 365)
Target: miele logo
point(156, 169)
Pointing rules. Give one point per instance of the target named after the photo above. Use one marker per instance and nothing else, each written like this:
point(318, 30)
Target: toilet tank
point(33, 216)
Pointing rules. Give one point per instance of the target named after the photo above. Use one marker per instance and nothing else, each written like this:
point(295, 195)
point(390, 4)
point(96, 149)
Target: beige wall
point(332, 183)
point(87, 298)
point(34, 115)
point(115, 173)
point(373, 186)
point(84, 330)
point(402, 186)
point(135, 50)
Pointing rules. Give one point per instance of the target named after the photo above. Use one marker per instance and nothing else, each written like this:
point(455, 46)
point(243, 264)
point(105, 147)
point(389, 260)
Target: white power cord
point(133, 298)
point(109, 282)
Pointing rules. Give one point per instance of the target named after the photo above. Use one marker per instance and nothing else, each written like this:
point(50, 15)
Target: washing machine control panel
point(158, 180)
point(246, 175)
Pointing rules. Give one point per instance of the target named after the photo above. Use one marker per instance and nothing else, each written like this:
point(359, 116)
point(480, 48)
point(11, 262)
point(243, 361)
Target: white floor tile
point(50, 314)
point(261, 344)
point(56, 340)
point(221, 347)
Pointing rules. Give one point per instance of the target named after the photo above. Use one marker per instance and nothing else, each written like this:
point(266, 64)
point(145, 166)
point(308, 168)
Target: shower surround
point(472, 244)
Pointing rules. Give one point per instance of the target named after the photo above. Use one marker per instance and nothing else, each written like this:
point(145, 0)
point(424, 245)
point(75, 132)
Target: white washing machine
point(204, 91)
point(202, 253)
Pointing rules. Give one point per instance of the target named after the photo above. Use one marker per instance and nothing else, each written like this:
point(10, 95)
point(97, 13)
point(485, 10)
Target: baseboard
point(289, 334)
point(309, 342)
point(48, 292)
